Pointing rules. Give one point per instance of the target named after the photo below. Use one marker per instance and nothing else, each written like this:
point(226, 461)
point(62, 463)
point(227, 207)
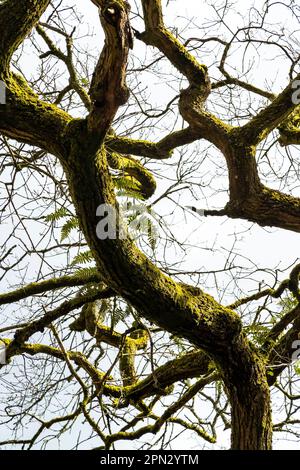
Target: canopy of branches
point(150, 211)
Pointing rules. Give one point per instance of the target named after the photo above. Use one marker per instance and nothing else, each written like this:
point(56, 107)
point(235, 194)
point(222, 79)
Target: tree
point(62, 168)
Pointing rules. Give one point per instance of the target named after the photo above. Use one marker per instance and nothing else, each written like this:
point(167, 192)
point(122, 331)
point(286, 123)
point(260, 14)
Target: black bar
point(136, 459)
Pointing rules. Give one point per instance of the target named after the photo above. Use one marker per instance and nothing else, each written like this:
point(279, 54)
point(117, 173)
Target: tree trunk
point(248, 391)
point(251, 422)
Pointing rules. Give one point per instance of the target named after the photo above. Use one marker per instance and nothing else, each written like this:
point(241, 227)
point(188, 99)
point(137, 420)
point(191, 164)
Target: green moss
point(138, 177)
point(184, 56)
point(20, 89)
point(281, 198)
point(136, 147)
point(29, 119)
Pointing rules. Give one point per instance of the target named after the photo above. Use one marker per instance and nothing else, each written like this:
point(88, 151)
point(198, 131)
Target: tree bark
point(248, 390)
point(251, 425)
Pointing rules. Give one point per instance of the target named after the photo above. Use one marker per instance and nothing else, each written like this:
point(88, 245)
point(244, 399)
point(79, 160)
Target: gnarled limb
point(157, 35)
point(158, 151)
point(16, 21)
point(270, 117)
point(192, 100)
point(108, 89)
point(27, 119)
point(289, 130)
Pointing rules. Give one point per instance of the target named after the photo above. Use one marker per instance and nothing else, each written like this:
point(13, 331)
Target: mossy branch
point(194, 364)
point(266, 207)
point(28, 119)
point(35, 288)
point(157, 151)
point(23, 334)
point(108, 89)
point(17, 18)
point(167, 416)
point(270, 117)
point(158, 35)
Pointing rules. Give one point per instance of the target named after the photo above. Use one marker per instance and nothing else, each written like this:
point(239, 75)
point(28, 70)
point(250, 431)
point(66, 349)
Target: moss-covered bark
point(195, 316)
point(17, 18)
point(245, 379)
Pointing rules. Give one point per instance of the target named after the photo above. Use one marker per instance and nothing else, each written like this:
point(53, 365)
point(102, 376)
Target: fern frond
point(86, 272)
point(83, 258)
point(144, 224)
point(58, 214)
point(152, 235)
point(128, 187)
point(118, 315)
point(68, 226)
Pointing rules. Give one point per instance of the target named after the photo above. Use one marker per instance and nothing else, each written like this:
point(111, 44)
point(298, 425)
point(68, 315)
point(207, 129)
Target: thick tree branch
point(270, 117)
point(266, 207)
point(157, 35)
point(175, 308)
point(28, 119)
point(158, 151)
point(17, 18)
point(194, 364)
point(108, 89)
point(280, 356)
point(192, 100)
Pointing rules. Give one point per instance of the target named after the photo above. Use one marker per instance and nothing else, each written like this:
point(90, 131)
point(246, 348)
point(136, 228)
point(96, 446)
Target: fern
point(86, 272)
point(118, 315)
point(131, 193)
point(68, 226)
point(144, 224)
point(58, 214)
point(83, 258)
point(152, 235)
point(127, 186)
